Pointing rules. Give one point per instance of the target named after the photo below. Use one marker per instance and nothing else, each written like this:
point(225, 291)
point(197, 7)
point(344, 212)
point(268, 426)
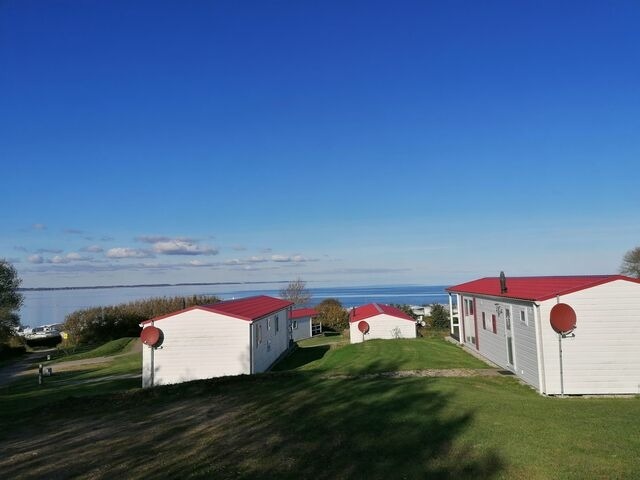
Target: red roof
point(373, 309)
point(304, 312)
point(250, 308)
point(535, 288)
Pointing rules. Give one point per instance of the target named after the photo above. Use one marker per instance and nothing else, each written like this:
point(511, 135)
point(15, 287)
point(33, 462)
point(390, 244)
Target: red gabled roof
point(535, 288)
point(373, 309)
point(304, 312)
point(250, 308)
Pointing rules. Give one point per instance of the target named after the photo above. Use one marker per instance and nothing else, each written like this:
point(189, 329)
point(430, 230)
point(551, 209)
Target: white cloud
point(124, 252)
point(93, 249)
point(49, 250)
point(35, 259)
point(76, 257)
point(152, 238)
point(59, 259)
point(183, 247)
point(290, 258)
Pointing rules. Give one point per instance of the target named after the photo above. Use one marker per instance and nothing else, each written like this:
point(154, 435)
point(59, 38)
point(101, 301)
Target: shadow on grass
point(287, 426)
point(301, 357)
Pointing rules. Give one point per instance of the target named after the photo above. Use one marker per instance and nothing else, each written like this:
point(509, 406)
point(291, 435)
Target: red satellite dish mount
point(563, 318)
point(363, 326)
point(152, 336)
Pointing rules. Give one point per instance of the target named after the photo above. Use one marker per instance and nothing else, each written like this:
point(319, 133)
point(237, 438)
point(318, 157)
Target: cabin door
point(468, 319)
point(508, 328)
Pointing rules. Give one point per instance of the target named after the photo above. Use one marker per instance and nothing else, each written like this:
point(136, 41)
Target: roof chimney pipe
point(503, 283)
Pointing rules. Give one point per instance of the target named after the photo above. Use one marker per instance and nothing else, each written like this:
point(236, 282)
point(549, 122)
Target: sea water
point(43, 307)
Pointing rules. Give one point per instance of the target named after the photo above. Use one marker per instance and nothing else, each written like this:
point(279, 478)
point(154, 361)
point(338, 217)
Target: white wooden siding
point(604, 356)
point(198, 344)
point(273, 344)
point(303, 329)
point(383, 326)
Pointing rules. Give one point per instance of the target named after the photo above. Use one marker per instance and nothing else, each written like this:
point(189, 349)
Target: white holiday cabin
point(234, 337)
point(509, 324)
point(381, 321)
point(302, 325)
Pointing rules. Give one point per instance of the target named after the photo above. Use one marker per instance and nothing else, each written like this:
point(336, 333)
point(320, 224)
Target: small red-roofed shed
point(376, 320)
point(234, 337)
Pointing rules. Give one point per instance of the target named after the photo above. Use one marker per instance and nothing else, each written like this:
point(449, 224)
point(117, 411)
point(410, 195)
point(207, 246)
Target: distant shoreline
point(96, 287)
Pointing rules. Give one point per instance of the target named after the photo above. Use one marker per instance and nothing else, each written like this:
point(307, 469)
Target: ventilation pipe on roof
point(503, 283)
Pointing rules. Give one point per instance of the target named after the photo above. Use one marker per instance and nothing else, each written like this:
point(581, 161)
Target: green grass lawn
point(378, 356)
point(114, 347)
point(25, 394)
point(302, 424)
point(298, 425)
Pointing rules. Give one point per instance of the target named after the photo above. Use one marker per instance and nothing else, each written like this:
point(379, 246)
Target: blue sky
point(342, 142)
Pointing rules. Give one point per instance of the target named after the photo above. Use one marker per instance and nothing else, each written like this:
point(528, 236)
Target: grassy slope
point(25, 394)
point(380, 356)
point(114, 347)
point(299, 425)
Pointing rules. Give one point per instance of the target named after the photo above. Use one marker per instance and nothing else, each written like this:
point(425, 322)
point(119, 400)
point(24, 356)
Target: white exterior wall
point(196, 345)
point(383, 326)
point(302, 330)
point(604, 356)
point(273, 342)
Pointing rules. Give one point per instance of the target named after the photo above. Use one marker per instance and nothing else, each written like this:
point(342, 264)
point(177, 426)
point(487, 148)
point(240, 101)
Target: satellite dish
point(152, 336)
point(363, 326)
point(563, 318)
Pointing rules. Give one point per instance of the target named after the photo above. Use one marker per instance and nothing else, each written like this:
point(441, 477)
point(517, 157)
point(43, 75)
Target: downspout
point(152, 376)
point(251, 340)
point(539, 350)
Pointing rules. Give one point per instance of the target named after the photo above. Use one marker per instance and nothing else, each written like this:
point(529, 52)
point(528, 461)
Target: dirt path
point(433, 372)
point(10, 372)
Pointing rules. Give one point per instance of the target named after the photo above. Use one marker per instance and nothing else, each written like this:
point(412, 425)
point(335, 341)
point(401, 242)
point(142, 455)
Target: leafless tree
point(296, 292)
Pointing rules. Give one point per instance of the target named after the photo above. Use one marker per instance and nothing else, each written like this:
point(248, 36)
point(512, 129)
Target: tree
point(10, 299)
point(439, 316)
point(631, 263)
point(332, 315)
point(296, 292)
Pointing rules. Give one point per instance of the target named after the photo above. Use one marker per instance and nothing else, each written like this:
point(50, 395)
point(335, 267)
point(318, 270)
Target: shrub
point(101, 324)
point(439, 316)
point(332, 315)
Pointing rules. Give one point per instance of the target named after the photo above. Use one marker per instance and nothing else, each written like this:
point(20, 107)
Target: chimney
point(503, 283)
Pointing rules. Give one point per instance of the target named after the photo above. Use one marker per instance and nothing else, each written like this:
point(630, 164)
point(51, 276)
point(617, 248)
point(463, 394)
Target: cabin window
point(259, 335)
point(268, 345)
point(484, 321)
point(277, 324)
point(294, 324)
point(494, 324)
point(523, 317)
point(468, 306)
point(268, 324)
